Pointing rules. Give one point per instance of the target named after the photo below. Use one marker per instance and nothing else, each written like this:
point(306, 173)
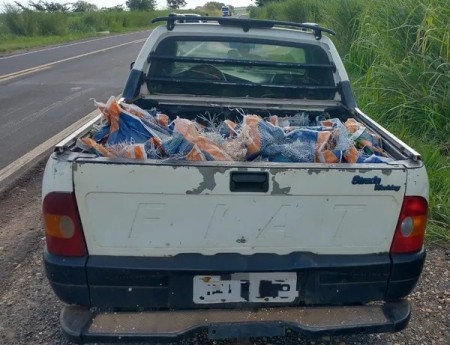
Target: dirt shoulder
point(29, 311)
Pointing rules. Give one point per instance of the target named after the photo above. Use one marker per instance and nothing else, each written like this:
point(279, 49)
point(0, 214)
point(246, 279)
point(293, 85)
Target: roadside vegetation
point(27, 29)
point(398, 56)
point(43, 23)
point(39, 23)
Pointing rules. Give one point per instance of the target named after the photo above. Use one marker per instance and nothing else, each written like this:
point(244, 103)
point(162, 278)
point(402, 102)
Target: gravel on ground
point(29, 310)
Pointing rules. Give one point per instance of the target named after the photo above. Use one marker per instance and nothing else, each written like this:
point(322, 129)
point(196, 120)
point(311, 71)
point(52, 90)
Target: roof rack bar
point(246, 24)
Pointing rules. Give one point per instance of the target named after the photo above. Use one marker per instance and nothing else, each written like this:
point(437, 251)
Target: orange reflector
point(420, 223)
point(59, 226)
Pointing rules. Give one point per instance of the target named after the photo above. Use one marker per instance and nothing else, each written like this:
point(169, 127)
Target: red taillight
point(410, 231)
point(62, 225)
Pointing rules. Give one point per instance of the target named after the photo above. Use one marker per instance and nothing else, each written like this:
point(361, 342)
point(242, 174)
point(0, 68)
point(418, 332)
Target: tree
point(55, 7)
point(176, 4)
point(213, 5)
point(250, 7)
point(22, 7)
point(83, 6)
point(261, 3)
point(141, 5)
point(44, 6)
point(117, 8)
point(38, 6)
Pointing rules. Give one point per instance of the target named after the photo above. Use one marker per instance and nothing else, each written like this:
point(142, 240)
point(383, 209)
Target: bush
point(398, 54)
point(52, 24)
point(20, 23)
point(30, 23)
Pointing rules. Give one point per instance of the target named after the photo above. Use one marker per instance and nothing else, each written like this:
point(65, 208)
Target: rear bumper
point(139, 283)
point(82, 326)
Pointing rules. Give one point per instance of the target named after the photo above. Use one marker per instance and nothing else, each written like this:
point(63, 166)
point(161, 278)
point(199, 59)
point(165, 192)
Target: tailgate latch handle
point(257, 182)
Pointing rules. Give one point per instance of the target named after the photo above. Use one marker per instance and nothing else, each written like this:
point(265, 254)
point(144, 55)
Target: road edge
point(13, 172)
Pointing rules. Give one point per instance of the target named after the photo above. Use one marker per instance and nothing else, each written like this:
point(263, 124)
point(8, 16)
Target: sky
point(161, 3)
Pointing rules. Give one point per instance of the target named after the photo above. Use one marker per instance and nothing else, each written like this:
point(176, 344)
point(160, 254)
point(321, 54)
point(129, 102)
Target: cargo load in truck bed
point(303, 137)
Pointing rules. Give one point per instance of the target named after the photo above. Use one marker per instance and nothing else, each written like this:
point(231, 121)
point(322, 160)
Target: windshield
point(226, 68)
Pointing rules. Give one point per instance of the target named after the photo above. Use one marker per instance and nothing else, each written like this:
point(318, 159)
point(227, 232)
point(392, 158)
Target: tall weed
point(20, 23)
point(291, 10)
point(15, 22)
point(398, 55)
point(344, 18)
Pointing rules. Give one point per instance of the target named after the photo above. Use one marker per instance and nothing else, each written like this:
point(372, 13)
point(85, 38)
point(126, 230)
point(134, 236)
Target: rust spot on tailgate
point(317, 171)
point(209, 181)
point(277, 190)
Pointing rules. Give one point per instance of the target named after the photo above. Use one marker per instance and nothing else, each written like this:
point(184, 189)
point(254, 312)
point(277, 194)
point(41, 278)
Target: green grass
point(25, 30)
point(11, 43)
point(397, 54)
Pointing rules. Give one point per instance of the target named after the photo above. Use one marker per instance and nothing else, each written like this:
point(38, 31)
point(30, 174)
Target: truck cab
point(226, 11)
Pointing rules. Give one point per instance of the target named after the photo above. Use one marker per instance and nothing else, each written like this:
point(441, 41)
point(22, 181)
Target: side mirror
point(131, 65)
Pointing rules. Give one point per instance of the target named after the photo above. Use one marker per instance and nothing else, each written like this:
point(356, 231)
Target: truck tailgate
point(134, 209)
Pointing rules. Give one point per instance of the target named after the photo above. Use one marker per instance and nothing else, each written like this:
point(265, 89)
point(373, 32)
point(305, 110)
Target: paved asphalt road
point(44, 91)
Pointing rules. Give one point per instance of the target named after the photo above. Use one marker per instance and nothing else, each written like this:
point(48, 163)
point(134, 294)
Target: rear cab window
point(227, 67)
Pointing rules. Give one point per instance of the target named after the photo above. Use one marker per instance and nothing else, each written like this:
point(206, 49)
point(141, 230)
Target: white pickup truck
point(161, 249)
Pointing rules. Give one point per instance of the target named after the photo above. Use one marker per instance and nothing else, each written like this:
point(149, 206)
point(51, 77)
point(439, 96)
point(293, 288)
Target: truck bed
point(168, 207)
